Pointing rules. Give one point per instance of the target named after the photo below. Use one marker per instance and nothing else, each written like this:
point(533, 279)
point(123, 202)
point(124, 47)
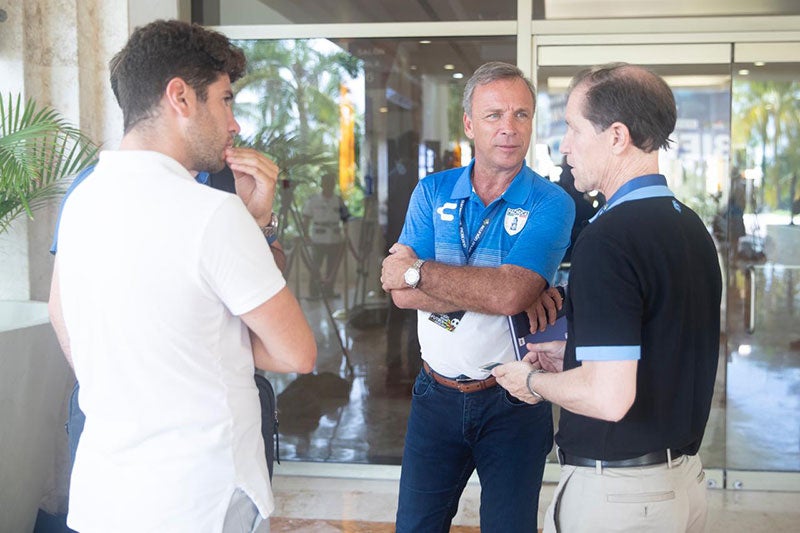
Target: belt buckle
point(463, 379)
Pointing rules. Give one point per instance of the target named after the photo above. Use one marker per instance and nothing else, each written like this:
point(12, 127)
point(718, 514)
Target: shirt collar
point(647, 186)
point(516, 193)
point(144, 160)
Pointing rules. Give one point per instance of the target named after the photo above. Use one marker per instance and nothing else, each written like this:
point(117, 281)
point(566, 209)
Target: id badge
point(448, 321)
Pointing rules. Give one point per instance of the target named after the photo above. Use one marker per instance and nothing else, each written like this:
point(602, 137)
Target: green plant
point(38, 149)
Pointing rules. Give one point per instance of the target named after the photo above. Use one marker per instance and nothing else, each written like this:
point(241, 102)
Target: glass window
point(759, 230)
point(696, 165)
point(231, 12)
point(372, 116)
point(599, 9)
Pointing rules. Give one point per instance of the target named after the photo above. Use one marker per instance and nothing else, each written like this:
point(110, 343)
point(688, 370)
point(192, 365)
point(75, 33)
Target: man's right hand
point(548, 356)
point(256, 181)
point(394, 267)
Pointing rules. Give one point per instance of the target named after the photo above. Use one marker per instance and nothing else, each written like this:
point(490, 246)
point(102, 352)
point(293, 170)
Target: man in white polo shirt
point(165, 296)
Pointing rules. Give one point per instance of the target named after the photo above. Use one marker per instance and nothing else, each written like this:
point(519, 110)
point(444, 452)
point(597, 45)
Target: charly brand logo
point(515, 220)
point(443, 211)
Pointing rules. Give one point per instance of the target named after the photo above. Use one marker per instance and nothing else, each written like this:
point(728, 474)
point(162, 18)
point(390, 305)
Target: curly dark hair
point(632, 95)
point(167, 49)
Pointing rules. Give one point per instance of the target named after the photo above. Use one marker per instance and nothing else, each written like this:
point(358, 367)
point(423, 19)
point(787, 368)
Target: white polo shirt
point(154, 270)
point(326, 218)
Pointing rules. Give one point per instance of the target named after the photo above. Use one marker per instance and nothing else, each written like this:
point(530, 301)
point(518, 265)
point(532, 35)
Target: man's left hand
point(400, 259)
point(545, 310)
point(256, 181)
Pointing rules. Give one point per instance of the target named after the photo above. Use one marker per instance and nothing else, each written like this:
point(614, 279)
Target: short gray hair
point(493, 71)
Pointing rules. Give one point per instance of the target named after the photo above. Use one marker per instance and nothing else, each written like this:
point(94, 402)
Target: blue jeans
point(449, 435)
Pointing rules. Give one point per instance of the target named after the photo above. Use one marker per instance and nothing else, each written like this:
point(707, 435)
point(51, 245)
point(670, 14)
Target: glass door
point(736, 161)
point(762, 242)
point(696, 167)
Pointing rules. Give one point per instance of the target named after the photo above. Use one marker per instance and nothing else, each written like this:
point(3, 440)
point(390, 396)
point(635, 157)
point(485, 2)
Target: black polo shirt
point(645, 274)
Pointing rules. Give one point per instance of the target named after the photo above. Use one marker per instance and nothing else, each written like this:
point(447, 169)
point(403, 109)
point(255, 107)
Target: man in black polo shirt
point(643, 307)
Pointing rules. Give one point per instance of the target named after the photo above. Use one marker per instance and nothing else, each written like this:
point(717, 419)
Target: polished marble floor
point(307, 504)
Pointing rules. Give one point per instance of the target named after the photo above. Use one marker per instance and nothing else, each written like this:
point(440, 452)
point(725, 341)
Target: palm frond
point(287, 150)
point(38, 149)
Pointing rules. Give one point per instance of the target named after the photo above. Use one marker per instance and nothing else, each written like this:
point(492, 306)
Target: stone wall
point(57, 51)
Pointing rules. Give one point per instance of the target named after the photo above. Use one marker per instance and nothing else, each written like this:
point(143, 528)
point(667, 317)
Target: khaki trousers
point(654, 499)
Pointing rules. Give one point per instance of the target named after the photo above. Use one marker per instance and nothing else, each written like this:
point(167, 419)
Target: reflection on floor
point(763, 370)
point(353, 408)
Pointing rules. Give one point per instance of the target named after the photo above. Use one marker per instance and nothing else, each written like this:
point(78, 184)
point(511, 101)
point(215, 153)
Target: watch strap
point(270, 231)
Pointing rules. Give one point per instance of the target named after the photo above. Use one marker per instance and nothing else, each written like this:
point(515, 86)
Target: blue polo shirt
point(528, 226)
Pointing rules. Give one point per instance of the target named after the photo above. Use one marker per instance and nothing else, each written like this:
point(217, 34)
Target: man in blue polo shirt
point(643, 311)
point(479, 243)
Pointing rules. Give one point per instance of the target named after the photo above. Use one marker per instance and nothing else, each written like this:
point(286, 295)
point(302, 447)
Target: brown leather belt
point(472, 385)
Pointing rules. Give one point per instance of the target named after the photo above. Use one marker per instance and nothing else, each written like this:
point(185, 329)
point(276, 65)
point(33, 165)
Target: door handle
point(750, 307)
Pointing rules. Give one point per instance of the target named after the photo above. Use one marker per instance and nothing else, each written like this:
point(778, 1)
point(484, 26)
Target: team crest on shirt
point(515, 220)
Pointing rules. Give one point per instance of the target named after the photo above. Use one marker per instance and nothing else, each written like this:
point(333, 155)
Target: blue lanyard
point(468, 249)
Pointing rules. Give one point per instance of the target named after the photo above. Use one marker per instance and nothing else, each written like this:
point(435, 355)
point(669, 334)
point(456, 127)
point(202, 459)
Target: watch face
point(411, 277)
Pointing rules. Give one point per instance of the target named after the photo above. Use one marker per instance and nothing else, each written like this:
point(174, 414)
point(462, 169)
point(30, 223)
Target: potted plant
point(38, 149)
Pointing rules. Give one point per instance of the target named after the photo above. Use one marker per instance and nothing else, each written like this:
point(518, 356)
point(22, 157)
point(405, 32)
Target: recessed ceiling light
point(744, 72)
point(745, 349)
point(759, 63)
point(425, 41)
point(384, 110)
point(449, 67)
point(457, 75)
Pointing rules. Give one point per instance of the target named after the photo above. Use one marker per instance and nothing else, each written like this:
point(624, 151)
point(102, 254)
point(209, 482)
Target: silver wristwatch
point(412, 275)
point(271, 229)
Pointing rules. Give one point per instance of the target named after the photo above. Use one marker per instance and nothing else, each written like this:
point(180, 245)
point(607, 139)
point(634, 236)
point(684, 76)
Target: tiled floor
point(317, 505)
point(291, 525)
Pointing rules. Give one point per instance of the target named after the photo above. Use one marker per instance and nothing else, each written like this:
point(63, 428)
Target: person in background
point(636, 375)
point(164, 331)
point(479, 243)
point(323, 215)
point(585, 206)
